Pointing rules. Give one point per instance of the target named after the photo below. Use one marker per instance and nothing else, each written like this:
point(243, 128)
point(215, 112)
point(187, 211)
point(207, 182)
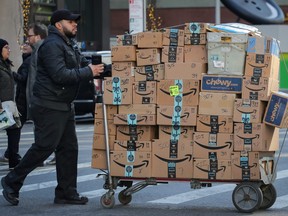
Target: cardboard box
point(149, 72)
point(255, 137)
point(226, 53)
point(149, 39)
point(212, 169)
point(172, 159)
point(196, 27)
point(130, 164)
point(99, 141)
point(212, 145)
point(123, 53)
point(137, 109)
point(110, 111)
point(136, 132)
point(173, 37)
point(117, 90)
point(134, 119)
point(99, 159)
point(258, 88)
point(130, 145)
point(126, 40)
point(195, 39)
point(195, 53)
point(262, 45)
point(144, 92)
point(176, 132)
point(211, 103)
point(276, 113)
point(186, 70)
point(214, 123)
point(148, 56)
point(99, 126)
point(176, 92)
point(123, 69)
point(262, 65)
point(172, 54)
point(248, 111)
point(221, 83)
point(182, 116)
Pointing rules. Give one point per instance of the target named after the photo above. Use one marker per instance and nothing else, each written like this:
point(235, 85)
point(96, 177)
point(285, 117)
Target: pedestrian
point(52, 109)
point(7, 93)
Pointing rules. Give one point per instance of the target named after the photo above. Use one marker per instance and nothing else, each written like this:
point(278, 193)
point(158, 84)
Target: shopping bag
point(6, 119)
point(11, 109)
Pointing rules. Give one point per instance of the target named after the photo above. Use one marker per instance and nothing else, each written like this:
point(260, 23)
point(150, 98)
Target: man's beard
point(68, 34)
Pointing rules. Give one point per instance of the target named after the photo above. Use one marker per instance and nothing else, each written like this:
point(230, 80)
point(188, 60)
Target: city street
point(174, 198)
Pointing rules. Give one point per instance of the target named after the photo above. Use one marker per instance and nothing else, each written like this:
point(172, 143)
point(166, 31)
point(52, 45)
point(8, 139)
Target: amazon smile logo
point(227, 144)
point(170, 160)
point(192, 91)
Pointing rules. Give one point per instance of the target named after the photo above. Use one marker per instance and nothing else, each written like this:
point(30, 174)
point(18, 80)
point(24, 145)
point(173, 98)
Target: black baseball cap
point(63, 14)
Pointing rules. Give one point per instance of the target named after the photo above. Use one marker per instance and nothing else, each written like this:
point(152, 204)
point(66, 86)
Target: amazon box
point(123, 53)
point(148, 56)
point(262, 65)
point(136, 132)
point(214, 123)
point(131, 145)
point(130, 164)
point(144, 92)
point(99, 141)
point(176, 132)
point(220, 83)
point(173, 37)
point(263, 45)
point(255, 137)
point(134, 119)
point(149, 39)
point(195, 53)
point(248, 111)
point(195, 39)
point(176, 115)
point(137, 109)
point(126, 40)
point(212, 169)
point(117, 90)
point(110, 111)
point(99, 159)
point(149, 72)
point(196, 27)
point(277, 111)
point(212, 145)
point(186, 70)
point(172, 54)
point(99, 126)
point(123, 69)
point(174, 92)
point(172, 159)
point(258, 88)
point(211, 103)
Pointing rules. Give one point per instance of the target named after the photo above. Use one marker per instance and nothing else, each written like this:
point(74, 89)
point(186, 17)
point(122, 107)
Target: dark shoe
point(52, 161)
point(4, 160)
point(9, 194)
point(76, 200)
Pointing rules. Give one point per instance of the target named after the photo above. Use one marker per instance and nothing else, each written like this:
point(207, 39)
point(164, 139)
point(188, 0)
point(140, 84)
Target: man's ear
point(58, 25)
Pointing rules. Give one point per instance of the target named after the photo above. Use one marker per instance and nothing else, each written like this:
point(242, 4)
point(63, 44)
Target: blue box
point(277, 112)
point(229, 84)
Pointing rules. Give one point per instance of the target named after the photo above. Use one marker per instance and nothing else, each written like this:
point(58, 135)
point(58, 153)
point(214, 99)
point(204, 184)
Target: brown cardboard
point(182, 116)
point(123, 69)
point(211, 103)
point(195, 53)
point(126, 40)
point(144, 146)
point(136, 132)
point(99, 141)
point(196, 27)
point(144, 92)
point(185, 70)
point(137, 109)
point(173, 37)
point(212, 169)
point(172, 160)
point(195, 39)
point(149, 39)
point(149, 72)
point(99, 159)
point(214, 123)
point(130, 164)
point(172, 54)
point(148, 56)
point(187, 92)
point(176, 132)
point(255, 137)
point(212, 146)
point(110, 111)
point(99, 126)
point(134, 119)
point(248, 111)
point(258, 88)
point(117, 90)
point(265, 65)
point(123, 53)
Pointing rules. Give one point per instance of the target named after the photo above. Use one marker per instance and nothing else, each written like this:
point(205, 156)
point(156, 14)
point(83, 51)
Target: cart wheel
point(107, 201)
point(269, 196)
point(124, 199)
point(247, 197)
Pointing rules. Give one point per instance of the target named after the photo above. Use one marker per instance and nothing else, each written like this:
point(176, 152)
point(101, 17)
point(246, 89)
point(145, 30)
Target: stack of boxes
point(188, 103)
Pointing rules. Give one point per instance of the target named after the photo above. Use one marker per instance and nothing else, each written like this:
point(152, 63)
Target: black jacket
point(58, 72)
point(6, 82)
